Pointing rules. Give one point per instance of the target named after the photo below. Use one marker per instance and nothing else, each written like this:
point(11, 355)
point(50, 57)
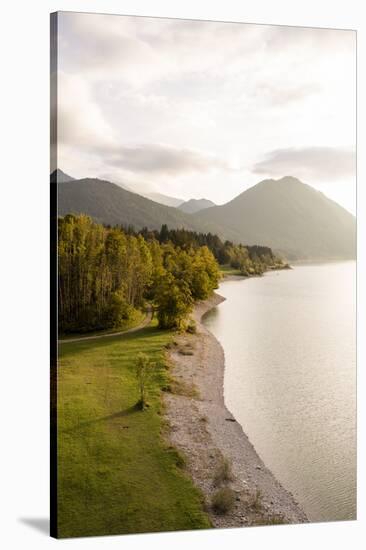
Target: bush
point(192, 327)
point(277, 519)
point(223, 500)
point(257, 500)
point(186, 351)
point(223, 472)
point(117, 310)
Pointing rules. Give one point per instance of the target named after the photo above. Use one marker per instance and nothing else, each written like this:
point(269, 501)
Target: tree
point(106, 273)
point(174, 301)
point(144, 369)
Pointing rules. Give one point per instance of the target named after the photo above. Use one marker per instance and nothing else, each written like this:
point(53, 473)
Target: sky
point(197, 109)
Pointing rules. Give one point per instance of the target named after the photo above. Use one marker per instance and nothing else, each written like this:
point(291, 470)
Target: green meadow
point(116, 471)
point(227, 270)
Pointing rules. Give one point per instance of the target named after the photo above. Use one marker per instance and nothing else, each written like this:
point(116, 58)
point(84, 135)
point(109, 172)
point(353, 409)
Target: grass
point(134, 320)
point(116, 474)
point(223, 500)
point(227, 270)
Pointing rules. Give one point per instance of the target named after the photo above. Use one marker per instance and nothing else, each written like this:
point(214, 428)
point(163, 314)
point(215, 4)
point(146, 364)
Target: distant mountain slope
point(195, 205)
point(285, 214)
point(58, 176)
point(290, 216)
point(110, 204)
point(164, 199)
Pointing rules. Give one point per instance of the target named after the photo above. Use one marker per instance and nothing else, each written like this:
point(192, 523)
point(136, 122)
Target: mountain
point(58, 176)
point(288, 216)
point(163, 199)
point(195, 205)
point(109, 203)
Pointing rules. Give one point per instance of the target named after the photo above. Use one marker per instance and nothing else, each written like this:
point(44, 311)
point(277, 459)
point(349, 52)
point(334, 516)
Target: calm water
point(290, 380)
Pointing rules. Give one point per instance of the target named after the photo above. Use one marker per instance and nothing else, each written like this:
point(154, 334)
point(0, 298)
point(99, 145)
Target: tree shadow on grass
point(65, 349)
point(40, 524)
point(119, 414)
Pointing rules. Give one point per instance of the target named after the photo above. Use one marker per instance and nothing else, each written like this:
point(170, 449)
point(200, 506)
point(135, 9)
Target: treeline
point(106, 273)
point(248, 259)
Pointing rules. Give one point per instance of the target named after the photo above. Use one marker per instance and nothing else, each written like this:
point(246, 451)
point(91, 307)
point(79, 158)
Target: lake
point(290, 378)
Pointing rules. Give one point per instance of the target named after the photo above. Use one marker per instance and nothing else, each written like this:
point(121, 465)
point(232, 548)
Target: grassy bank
point(227, 270)
point(116, 474)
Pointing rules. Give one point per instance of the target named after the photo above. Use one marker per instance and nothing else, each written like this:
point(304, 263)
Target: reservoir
point(289, 339)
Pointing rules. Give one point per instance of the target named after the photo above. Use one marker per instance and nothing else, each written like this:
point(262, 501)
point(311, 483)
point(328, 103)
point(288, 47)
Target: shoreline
point(206, 432)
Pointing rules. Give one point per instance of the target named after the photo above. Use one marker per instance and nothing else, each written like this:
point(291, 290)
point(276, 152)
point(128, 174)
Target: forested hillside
point(108, 203)
point(248, 259)
point(285, 215)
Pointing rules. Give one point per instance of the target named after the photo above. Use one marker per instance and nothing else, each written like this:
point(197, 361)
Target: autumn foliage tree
point(144, 369)
point(105, 273)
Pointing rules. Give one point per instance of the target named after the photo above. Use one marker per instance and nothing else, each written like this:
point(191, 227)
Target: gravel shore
point(208, 435)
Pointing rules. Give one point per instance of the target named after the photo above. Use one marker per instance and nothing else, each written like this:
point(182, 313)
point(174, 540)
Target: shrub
point(257, 500)
point(192, 327)
point(277, 519)
point(223, 472)
point(223, 500)
point(186, 351)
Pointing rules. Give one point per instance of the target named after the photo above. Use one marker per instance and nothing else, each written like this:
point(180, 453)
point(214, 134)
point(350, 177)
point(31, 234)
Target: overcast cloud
point(156, 159)
point(322, 163)
point(192, 108)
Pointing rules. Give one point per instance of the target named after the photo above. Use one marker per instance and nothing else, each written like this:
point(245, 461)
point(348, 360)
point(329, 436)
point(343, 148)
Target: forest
point(107, 273)
point(248, 259)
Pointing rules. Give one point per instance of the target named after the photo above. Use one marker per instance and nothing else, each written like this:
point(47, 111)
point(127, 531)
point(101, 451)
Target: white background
point(24, 271)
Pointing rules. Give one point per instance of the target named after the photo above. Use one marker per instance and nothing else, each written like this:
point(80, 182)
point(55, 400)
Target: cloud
point(313, 163)
point(159, 159)
point(281, 37)
point(278, 95)
point(84, 132)
point(139, 50)
point(174, 104)
point(81, 123)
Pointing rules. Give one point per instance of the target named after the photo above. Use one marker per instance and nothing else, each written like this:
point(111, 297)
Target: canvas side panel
point(53, 274)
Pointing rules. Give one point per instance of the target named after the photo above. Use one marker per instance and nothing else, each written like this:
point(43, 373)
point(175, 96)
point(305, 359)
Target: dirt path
point(144, 323)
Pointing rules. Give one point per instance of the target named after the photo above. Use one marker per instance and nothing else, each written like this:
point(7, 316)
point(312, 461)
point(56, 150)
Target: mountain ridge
point(167, 200)
point(58, 176)
point(195, 205)
point(290, 216)
point(286, 214)
point(110, 204)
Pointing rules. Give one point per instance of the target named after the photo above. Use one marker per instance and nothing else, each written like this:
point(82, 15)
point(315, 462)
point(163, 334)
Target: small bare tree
point(144, 369)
